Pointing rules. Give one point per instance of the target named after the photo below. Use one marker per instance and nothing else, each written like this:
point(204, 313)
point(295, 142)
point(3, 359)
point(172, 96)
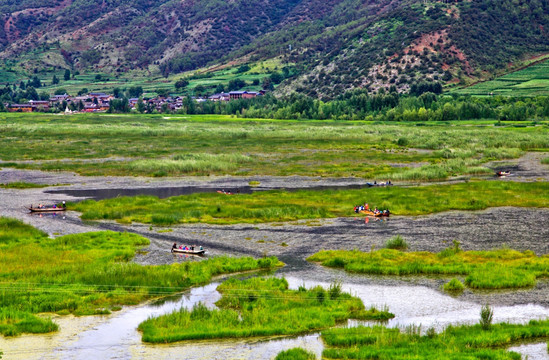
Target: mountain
point(334, 45)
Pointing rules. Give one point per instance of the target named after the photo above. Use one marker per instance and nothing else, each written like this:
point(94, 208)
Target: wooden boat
point(47, 209)
point(503, 173)
point(387, 183)
point(384, 213)
point(188, 252)
point(224, 192)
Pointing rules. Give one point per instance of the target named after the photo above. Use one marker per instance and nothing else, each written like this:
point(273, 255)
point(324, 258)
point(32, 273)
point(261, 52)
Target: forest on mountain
point(335, 46)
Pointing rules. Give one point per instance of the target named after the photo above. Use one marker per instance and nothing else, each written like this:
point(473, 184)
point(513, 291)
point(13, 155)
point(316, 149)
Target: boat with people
point(503, 173)
point(365, 209)
point(380, 213)
point(375, 183)
point(43, 208)
point(189, 250)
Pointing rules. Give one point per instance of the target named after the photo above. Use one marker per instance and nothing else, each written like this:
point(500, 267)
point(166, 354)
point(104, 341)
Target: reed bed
point(90, 273)
point(259, 307)
point(151, 145)
point(455, 342)
point(271, 206)
point(493, 269)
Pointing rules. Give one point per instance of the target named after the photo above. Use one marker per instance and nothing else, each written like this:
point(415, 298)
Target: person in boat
point(64, 205)
point(376, 210)
point(201, 248)
point(366, 206)
point(174, 246)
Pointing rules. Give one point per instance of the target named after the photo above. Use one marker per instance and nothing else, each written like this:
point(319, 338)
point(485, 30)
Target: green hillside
point(332, 46)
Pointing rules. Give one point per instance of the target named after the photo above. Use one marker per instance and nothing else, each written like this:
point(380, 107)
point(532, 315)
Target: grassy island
point(493, 269)
point(455, 342)
point(269, 206)
point(260, 307)
point(88, 273)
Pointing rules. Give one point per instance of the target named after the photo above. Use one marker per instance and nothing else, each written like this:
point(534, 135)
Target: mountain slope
point(337, 45)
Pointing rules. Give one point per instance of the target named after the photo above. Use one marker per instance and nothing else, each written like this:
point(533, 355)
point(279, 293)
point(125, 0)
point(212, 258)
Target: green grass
point(270, 206)
point(89, 273)
point(397, 243)
point(259, 307)
point(295, 354)
point(22, 185)
point(454, 285)
point(493, 269)
point(459, 342)
point(161, 145)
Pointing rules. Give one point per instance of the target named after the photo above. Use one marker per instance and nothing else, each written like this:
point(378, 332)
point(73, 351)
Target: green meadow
point(89, 273)
point(279, 205)
point(177, 145)
point(490, 269)
point(455, 342)
point(530, 81)
point(260, 307)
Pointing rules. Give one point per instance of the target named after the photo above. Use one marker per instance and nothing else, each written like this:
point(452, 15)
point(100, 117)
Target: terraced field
point(530, 81)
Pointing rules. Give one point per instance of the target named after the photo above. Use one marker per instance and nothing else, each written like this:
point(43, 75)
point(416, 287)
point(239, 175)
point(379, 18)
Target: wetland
point(514, 216)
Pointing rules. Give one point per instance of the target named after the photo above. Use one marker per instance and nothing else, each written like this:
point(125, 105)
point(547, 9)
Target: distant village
point(101, 102)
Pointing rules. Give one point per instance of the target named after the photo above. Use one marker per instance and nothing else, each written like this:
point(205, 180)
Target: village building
point(20, 108)
point(40, 104)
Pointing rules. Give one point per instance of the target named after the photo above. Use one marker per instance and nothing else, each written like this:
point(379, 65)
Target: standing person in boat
point(64, 205)
point(174, 246)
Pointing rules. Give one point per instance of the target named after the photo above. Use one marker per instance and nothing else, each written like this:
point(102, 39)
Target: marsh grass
point(22, 185)
point(295, 354)
point(198, 164)
point(453, 286)
point(494, 269)
point(90, 273)
point(273, 206)
point(455, 342)
point(397, 243)
point(153, 145)
point(259, 307)
point(486, 317)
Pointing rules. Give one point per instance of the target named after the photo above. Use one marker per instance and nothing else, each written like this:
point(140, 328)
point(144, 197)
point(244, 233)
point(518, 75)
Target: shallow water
point(115, 336)
point(165, 192)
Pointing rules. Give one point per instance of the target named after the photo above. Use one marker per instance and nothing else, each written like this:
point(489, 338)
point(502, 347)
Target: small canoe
point(189, 252)
point(385, 213)
point(379, 184)
point(49, 209)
